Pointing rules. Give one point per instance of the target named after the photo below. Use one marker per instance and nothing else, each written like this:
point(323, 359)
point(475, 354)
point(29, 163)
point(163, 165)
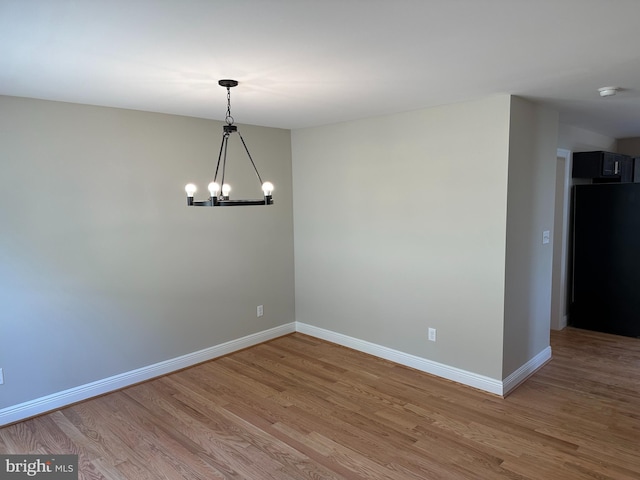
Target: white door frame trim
point(564, 246)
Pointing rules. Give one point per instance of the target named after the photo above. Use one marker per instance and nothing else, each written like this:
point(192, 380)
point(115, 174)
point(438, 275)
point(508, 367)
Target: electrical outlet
point(1, 377)
point(432, 334)
point(260, 311)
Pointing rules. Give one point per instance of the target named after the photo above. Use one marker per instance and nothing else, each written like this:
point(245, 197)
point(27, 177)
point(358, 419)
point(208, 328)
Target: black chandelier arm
point(225, 142)
point(252, 162)
point(215, 177)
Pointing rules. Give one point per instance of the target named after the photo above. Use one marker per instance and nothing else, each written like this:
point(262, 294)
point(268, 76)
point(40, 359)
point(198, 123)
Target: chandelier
point(219, 196)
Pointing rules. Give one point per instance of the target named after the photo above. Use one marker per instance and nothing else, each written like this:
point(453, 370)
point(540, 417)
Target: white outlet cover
point(546, 237)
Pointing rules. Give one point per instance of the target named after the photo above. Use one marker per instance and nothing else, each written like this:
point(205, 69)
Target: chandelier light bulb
point(267, 188)
point(226, 188)
point(190, 188)
point(214, 188)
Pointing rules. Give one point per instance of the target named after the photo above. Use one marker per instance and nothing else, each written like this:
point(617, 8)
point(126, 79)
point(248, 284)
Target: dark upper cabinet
point(603, 167)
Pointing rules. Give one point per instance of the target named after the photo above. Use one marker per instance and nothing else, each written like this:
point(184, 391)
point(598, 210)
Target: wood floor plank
point(301, 408)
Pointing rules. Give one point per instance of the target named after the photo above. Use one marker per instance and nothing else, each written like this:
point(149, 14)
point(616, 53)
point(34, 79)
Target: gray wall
point(531, 196)
point(103, 268)
point(400, 225)
point(578, 139)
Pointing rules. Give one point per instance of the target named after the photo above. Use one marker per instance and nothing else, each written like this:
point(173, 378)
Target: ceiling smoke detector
point(608, 91)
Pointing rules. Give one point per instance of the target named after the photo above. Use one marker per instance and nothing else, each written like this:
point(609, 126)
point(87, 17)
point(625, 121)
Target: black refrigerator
point(605, 293)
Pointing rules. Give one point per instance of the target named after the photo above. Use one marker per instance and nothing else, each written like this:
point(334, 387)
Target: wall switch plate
point(545, 237)
point(260, 311)
point(432, 334)
point(1, 377)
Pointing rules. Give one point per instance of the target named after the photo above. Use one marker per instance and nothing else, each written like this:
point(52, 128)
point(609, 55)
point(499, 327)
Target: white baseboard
point(471, 379)
point(525, 371)
point(57, 400)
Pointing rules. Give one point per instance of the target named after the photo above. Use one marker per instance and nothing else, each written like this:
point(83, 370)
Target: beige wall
point(530, 211)
point(400, 225)
point(103, 267)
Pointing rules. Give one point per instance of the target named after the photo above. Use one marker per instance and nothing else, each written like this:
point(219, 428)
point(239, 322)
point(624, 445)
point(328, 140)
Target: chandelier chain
point(229, 118)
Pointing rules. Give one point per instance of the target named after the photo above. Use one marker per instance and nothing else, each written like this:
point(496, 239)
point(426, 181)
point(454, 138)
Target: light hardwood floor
point(302, 408)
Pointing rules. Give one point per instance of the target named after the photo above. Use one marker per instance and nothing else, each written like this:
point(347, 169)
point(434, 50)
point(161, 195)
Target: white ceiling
point(304, 63)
